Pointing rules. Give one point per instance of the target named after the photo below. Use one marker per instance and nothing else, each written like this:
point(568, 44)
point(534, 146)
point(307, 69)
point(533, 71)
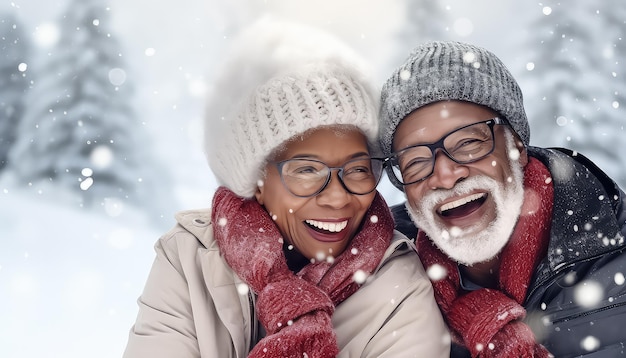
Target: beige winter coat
point(191, 306)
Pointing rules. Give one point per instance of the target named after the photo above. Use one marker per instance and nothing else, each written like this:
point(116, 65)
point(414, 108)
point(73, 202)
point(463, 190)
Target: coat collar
point(198, 222)
point(584, 222)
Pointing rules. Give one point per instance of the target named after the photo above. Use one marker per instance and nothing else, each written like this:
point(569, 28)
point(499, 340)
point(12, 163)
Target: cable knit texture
point(488, 321)
point(450, 70)
point(287, 105)
point(294, 309)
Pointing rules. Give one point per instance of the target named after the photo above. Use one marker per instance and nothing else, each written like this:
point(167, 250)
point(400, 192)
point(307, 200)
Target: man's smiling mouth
point(463, 206)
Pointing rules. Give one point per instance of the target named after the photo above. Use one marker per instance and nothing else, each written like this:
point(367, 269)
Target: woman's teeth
point(332, 227)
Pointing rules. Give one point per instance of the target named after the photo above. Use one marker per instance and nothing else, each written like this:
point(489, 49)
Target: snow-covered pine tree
point(14, 59)
point(579, 54)
point(80, 134)
point(425, 20)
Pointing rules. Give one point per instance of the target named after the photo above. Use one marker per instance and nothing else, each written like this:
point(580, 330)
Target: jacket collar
point(584, 221)
point(197, 222)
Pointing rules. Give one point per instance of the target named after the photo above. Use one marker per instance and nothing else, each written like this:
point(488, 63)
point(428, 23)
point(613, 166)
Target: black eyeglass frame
point(392, 161)
point(340, 170)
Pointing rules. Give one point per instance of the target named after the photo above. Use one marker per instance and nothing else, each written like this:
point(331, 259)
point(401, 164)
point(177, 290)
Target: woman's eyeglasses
point(308, 177)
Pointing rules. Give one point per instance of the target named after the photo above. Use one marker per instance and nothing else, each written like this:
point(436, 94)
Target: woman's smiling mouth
point(332, 227)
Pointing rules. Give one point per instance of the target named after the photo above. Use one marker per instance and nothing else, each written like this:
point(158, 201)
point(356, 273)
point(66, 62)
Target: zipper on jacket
point(253, 322)
point(564, 266)
point(587, 313)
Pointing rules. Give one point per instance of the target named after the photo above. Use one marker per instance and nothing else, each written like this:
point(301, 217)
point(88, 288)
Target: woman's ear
point(258, 194)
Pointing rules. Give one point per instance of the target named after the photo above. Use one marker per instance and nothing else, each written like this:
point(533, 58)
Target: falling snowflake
point(590, 343)
point(243, 289)
point(359, 276)
point(464, 27)
point(117, 76)
point(320, 256)
point(405, 75)
point(86, 184)
point(46, 35)
point(436, 272)
point(456, 231)
point(588, 293)
point(101, 156)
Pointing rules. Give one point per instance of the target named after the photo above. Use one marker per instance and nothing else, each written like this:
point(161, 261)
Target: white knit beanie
point(287, 105)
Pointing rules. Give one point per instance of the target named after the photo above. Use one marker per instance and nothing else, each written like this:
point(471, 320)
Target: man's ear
point(523, 153)
point(519, 145)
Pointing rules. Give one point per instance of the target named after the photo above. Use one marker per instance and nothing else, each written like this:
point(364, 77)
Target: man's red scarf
point(294, 309)
point(488, 321)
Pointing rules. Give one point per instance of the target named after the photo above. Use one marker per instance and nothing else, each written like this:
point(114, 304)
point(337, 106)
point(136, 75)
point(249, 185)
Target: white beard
point(473, 245)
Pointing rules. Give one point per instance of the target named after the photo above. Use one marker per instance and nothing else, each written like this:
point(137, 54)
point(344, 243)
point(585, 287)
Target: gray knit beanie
point(289, 104)
point(437, 71)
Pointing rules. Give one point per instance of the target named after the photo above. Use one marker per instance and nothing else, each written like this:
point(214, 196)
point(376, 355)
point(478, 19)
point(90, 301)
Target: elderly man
point(524, 245)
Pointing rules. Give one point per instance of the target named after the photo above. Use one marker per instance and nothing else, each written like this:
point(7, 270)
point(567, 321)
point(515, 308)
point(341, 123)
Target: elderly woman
point(297, 256)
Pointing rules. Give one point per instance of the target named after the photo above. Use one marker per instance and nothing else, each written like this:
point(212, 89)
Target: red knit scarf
point(295, 309)
point(487, 321)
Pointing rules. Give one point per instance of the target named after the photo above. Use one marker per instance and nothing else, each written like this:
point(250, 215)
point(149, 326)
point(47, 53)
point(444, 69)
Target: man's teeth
point(463, 201)
point(332, 227)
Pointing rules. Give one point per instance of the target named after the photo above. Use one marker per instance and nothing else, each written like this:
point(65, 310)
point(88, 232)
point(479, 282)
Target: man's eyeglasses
point(308, 177)
point(463, 145)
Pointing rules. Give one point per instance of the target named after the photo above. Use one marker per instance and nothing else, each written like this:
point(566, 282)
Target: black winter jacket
point(586, 256)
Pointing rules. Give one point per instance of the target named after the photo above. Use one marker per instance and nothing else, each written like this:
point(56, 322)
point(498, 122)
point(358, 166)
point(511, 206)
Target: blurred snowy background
point(101, 105)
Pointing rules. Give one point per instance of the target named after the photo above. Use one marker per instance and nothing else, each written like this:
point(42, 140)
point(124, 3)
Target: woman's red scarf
point(487, 321)
point(294, 309)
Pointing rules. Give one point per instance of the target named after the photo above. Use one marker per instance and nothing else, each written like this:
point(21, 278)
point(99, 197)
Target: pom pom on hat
point(312, 91)
point(438, 71)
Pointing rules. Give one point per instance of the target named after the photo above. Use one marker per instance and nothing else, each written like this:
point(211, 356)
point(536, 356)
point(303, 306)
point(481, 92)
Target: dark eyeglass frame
point(340, 171)
point(393, 161)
